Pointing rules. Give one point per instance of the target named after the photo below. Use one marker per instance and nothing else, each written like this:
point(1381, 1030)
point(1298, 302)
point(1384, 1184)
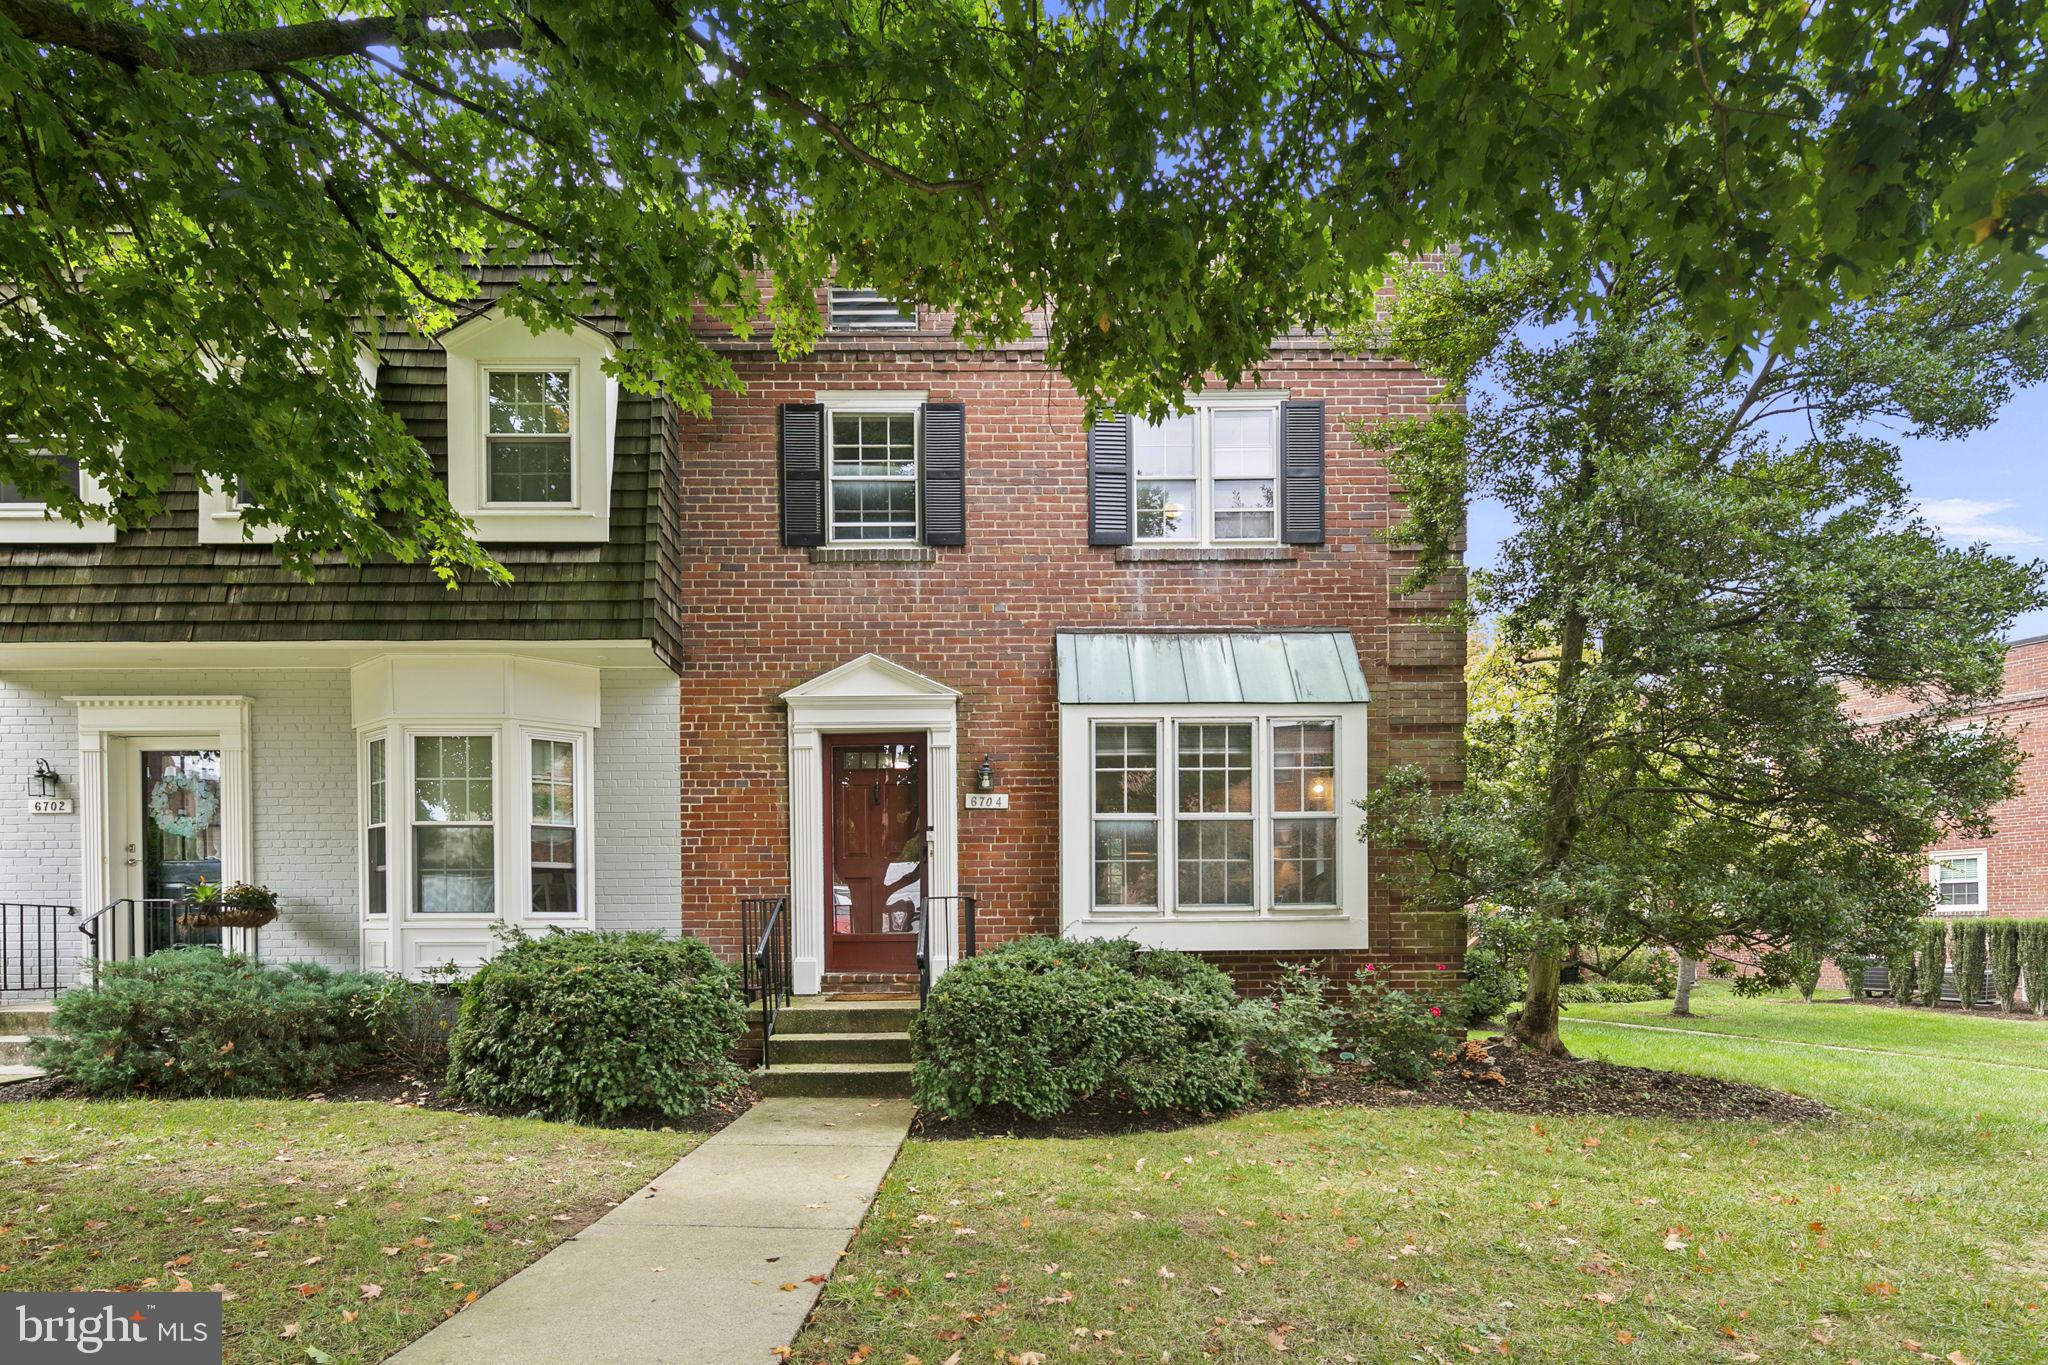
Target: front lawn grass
point(1915, 1221)
point(1944, 1032)
point(339, 1231)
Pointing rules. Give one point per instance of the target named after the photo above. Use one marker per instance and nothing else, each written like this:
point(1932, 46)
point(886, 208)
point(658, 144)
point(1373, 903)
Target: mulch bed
point(1494, 1075)
point(402, 1090)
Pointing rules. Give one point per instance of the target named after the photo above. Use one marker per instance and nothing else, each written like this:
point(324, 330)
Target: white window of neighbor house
point(529, 451)
point(27, 520)
point(454, 825)
point(552, 834)
point(1209, 476)
point(1958, 882)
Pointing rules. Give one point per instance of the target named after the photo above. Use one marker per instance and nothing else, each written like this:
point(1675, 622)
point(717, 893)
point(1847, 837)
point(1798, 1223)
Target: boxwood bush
point(1039, 1025)
point(193, 1022)
point(1608, 993)
point(597, 1027)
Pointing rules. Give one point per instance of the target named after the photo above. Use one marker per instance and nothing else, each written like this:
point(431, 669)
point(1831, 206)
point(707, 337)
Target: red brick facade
point(2016, 853)
point(759, 618)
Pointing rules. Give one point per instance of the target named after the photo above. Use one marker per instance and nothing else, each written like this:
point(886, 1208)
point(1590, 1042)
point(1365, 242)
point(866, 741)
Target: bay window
point(1127, 815)
point(376, 831)
point(454, 825)
point(553, 842)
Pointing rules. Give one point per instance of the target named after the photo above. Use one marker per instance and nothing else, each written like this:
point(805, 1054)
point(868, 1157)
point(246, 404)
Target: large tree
point(1704, 563)
point(204, 201)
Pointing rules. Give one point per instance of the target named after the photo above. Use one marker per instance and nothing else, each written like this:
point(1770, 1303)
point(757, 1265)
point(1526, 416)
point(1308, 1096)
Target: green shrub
point(1041, 1024)
point(2003, 941)
point(1608, 993)
point(1902, 973)
point(1968, 946)
point(1933, 959)
point(597, 1027)
point(196, 1022)
point(409, 1021)
point(1290, 1032)
point(2034, 963)
point(1806, 964)
point(1495, 983)
point(1398, 1036)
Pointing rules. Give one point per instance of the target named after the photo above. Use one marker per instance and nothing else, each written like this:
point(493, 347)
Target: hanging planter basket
point(241, 906)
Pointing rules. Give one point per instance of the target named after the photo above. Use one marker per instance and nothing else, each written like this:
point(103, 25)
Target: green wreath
point(205, 803)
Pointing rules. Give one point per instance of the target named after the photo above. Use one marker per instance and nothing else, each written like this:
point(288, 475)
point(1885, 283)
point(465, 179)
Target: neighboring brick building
point(1178, 649)
point(2007, 873)
point(993, 630)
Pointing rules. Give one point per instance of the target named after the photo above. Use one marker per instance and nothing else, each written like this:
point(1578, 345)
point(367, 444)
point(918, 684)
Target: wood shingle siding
point(160, 584)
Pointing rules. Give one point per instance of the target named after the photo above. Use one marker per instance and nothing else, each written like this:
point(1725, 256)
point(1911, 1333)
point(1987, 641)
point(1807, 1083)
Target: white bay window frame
point(1262, 926)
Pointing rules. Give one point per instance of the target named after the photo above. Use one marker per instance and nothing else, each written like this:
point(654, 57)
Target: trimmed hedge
point(1608, 993)
point(1933, 955)
point(2033, 936)
point(1966, 942)
point(198, 1023)
point(2002, 939)
point(1039, 1025)
point(598, 1027)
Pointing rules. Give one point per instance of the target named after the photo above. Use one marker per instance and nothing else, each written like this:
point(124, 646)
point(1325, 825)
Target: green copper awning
point(1299, 667)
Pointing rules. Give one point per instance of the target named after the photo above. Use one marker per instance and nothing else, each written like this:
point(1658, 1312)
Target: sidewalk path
point(690, 1270)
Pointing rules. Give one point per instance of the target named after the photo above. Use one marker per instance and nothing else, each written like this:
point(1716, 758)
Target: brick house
point(893, 625)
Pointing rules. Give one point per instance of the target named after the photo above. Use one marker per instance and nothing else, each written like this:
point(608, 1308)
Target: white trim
point(215, 722)
point(892, 403)
point(495, 340)
point(1263, 927)
point(869, 694)
point(1983, 857)
point(143, 655)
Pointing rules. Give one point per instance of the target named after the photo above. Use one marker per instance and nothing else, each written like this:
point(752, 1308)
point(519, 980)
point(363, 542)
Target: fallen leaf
point(1625, 1338)
point(372, 1291)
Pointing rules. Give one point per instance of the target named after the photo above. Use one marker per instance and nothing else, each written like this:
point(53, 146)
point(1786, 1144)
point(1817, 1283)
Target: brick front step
point(878, 1080)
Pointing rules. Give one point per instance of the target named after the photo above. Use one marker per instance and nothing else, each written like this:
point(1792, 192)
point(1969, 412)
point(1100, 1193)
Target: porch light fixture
point(985, 776)
point(44, 780)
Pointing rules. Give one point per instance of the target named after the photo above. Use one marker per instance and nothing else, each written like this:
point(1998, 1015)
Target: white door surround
point(104, 724)
point(867, 695)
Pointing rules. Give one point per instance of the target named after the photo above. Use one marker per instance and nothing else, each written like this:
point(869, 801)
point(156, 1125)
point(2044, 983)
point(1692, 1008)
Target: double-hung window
point(26, 519)
point(529, 439)
point(1126, 814)
point(552, 837)
point(376, 828)
point(871, 473)
point(1209, 476)
point(454, 825)
point(1958, 882)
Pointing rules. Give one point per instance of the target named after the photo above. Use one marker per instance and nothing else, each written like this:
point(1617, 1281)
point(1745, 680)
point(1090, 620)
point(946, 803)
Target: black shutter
point(1301, 473)
point(1109, 482)
point(944, 473)
point(803, 474)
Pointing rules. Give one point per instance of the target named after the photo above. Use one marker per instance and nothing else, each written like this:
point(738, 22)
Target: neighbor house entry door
point(876, 847)
point(168, 803)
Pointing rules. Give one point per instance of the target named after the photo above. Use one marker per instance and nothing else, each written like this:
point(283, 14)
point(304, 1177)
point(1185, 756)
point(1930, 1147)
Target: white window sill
point(1231, 932)
point(20, 525)
point(530, 526)
point(225, 528)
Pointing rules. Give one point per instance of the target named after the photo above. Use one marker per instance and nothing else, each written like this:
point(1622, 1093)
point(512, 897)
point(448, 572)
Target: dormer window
point(26, 520)
point(869, 310)
point(221, 508)
point(530, 437)
point(530, 431)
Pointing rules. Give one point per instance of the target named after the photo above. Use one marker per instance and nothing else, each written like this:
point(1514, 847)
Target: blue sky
point(1991, 487)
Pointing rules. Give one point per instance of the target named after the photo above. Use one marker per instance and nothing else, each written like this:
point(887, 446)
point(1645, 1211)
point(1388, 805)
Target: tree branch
point(136, 46)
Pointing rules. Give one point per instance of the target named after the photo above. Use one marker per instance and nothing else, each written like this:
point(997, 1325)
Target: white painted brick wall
point(304, 808)
point(639, 801)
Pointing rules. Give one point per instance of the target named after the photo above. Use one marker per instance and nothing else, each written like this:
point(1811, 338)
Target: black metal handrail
point(956, 939)
point(29, 935)
point(767, 966)
point(136, 926)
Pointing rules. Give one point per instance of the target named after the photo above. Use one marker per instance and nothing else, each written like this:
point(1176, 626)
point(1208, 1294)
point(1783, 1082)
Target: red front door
point(874, 852)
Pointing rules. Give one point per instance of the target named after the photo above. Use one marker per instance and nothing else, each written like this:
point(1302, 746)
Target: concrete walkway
point(690, 1270)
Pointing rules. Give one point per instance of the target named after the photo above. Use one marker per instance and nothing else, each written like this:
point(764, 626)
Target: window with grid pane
point(1959, 882)
point(1207, 476)
point(454, 826)
point(873, 473)
point(11, 494)
point(1126, 816)
point(376, 832)
point(527, 451)
point(1213, 822)
point(554, 827)
point(1304, 812)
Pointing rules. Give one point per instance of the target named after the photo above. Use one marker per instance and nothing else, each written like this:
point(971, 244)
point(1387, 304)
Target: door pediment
point(870, 678)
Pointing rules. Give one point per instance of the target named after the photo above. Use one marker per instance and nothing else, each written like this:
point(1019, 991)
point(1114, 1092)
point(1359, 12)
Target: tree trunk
point(1688, 973)
point(1535, 1025)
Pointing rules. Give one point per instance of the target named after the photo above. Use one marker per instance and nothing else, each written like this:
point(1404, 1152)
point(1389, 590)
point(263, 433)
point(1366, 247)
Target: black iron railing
point(29, 934)
point(945, 929)
point(136, 926)
point(767, 969)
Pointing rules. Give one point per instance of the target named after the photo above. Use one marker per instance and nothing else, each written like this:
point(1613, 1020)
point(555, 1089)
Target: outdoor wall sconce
point(985, 776)
point(44, 780)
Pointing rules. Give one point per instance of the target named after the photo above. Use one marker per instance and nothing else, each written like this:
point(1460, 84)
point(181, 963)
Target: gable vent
point(867, 310)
